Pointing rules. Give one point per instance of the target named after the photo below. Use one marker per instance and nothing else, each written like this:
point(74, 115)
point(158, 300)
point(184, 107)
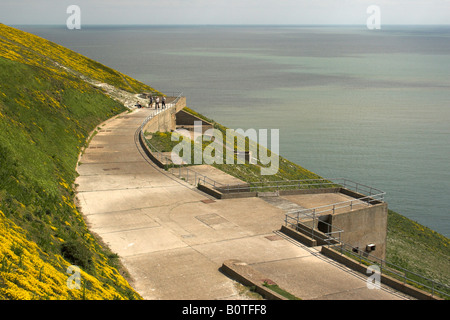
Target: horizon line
point(223, 25)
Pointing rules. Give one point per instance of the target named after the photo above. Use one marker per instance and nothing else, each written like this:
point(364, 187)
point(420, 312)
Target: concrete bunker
point(342, 216)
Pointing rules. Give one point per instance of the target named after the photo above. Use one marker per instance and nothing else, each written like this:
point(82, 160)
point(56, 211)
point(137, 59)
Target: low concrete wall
point(212, 192)
point(220, 195)
point(245, 193)
point(246, 275)
point(298, 236)
point(185, 120)
point(148, 152)
point(358, 195)
point(305, 236)
point(308, 191)
point(387, 280)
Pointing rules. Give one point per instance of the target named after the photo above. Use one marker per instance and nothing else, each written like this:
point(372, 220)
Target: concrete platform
point(326, 201)
point(173, 238)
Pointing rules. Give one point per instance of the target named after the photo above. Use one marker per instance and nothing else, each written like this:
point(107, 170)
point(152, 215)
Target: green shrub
point(77, 253)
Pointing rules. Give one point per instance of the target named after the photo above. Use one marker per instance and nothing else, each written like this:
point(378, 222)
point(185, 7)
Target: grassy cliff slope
point(47, 111)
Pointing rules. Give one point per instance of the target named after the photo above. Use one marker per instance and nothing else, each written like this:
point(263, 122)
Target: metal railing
point(307, 220)
point(397, 272)
point(307, 225)
point(179, 170)
point(308, 184)
point(370, 196)
point(193, 177)
point(169, 105)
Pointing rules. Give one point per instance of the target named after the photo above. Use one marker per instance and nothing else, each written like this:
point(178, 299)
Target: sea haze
point(369, 105)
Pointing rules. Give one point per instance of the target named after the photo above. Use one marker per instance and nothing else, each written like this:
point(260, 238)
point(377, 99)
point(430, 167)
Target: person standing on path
point(163, 102)
point(150, 102)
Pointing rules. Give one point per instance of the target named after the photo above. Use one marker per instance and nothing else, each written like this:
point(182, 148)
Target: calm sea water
point(371, 106)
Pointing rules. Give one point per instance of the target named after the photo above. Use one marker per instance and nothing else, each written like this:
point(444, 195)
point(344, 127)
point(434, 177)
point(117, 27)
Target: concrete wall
point(358, 195)
point(391, 282)
point(186, 121)
point(248, 276)
point(149, 152)
point(364, 226)
point(219, 195)
point(308, 191)
point(166, 120)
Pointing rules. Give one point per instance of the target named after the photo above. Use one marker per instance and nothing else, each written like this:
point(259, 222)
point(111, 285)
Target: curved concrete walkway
point(173, 238)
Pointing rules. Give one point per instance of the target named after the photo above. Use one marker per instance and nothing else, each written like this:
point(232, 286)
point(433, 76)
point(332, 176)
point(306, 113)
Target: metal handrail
point(391, 268)
point(168, 161)
point(343, 182)
point(156, 112)
point(299, 223)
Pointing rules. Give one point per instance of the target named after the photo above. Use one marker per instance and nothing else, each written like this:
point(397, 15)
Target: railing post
point(314, 224)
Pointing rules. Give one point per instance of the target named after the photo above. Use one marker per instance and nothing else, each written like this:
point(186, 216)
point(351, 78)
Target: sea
point(372, 106)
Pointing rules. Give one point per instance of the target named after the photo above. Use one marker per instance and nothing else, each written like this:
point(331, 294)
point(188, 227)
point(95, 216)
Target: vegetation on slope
point(47, 111)
point(417, 248)
point(248, 172)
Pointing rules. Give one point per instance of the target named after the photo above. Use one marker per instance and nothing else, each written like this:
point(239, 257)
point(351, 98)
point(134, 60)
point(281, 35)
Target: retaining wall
point(166, 120)
point(387, 280)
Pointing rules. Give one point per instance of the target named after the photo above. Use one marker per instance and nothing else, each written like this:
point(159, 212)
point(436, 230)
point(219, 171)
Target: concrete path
point(173, 238)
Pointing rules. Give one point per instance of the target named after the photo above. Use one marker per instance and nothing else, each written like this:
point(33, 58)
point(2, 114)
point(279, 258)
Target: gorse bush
point(47, 111)
point(77, 253)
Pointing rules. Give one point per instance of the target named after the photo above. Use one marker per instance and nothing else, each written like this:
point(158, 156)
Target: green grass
point(246, 172)
point(46, 116)
point(418, 248)
point(280, 291)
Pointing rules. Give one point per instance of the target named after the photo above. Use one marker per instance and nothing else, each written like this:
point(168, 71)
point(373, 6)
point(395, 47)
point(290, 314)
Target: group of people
point(159, 103)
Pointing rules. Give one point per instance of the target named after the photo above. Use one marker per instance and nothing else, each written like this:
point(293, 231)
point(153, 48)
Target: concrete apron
point(173, 242)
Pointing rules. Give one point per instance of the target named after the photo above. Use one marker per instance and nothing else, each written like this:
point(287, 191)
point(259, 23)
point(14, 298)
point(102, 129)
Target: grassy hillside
point(47, 111)
point(417, 248)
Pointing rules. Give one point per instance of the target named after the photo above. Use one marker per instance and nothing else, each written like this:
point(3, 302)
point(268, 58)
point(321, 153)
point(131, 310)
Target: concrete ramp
point(173, 238)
